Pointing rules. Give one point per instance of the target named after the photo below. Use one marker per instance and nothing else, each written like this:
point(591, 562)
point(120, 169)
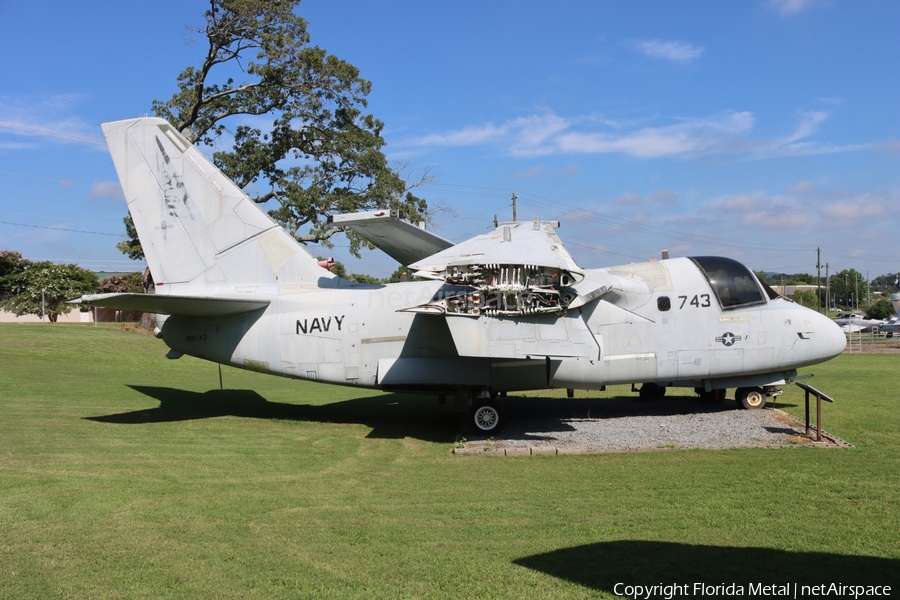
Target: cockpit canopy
point(734, 284)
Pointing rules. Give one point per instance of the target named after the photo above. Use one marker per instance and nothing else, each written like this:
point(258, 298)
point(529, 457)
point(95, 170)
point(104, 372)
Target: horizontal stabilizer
point(399, 239)
point(188, 306)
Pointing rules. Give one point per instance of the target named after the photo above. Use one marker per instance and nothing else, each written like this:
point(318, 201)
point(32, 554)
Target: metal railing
point(810, 390)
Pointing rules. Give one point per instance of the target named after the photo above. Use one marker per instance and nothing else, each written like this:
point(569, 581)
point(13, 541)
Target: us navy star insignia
point(727, 339)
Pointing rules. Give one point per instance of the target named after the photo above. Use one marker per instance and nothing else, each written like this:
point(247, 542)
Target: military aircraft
point(855, 322)
point(505, 311)
point(891, 327)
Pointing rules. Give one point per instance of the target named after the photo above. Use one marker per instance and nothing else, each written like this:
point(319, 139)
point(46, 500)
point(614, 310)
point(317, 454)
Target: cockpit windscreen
point(734, 284)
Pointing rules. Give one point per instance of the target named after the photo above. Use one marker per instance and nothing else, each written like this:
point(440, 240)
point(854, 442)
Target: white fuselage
point(671, 329)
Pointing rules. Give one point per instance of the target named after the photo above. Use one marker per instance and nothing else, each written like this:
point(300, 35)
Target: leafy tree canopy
point(129, 283)
point(889, 282)
point(882, 309)
point(806, 298)
point(132, 246)
point(45, 287)
point(341, 271)
point(847, 285)
point(787, 279)
point(295, 115)
point(11, 263)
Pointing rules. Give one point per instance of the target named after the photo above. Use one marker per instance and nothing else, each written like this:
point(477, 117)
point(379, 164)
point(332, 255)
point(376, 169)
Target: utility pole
point(514, 198)
point(819, 278)
point(828, 301)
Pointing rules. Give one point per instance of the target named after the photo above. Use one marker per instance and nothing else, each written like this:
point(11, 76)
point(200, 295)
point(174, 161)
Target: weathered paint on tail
point(200, 233)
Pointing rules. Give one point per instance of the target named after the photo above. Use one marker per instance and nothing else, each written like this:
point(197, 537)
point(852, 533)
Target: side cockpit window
point(733, 283)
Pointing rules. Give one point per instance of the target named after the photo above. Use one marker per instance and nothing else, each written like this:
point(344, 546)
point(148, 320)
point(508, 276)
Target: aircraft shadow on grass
point(404, 415)
point(602, 565)
point(390, 416)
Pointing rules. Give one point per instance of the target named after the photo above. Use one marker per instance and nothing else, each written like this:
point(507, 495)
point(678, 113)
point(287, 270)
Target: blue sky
point(758, 130)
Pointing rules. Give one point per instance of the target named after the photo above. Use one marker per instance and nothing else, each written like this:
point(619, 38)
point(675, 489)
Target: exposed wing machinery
point(518, 269)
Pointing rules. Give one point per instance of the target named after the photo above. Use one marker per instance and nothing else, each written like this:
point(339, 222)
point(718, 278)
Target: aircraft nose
point(830, 339)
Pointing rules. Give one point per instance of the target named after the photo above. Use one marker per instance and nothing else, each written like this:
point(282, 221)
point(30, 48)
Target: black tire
point(750, 398)
point(485, 418)
point(652, 391)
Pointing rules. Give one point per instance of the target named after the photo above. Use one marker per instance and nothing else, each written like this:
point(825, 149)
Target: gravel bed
point(629, 424)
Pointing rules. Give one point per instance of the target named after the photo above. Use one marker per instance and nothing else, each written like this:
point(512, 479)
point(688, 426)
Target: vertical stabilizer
point(200, 233)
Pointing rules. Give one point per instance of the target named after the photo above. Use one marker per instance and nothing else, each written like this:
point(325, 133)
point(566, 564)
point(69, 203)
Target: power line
point(53, 217)
point(119, 235)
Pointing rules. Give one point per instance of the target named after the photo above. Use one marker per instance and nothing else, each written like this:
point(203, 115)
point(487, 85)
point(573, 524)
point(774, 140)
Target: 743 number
point(698, 301)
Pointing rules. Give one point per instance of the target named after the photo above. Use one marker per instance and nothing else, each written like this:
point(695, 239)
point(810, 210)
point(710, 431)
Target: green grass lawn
point(126, 475)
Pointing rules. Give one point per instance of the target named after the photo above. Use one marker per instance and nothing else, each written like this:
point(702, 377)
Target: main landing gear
point(712, 396)
point(652, 391)
point(484, 414)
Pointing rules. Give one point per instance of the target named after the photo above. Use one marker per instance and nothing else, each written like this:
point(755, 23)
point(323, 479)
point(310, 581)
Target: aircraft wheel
point(652, 391)
point(750, 397)
point(486, 418)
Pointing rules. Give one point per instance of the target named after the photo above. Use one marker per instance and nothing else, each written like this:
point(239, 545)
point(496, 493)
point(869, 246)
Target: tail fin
point(200, 233)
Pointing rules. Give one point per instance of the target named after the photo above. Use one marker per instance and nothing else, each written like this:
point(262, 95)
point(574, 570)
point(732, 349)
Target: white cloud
point(69, 131)
point(533, 132)
point(803, 187)
point(797, 144)
point(890, 145)
point(669, 50)
point(535, 171)
point(107, 190)
point(741, 203)
point(725, 134)
point(44, 117)
point(809, 125)
point(791, 7)
point(852, 211)
point(689, 138)
point(467, 136)
point(775, 219)
point(629, 198)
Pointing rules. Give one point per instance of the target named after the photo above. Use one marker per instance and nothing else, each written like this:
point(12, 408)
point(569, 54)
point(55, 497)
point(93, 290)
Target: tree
point(319, 154)
point(398, 274)
point(132, 246)
point(11, 263)
point(44, 287)
point(847, 285)
point(806, 298)
point(883, 309)
point(341, 271)
point(129, 283)
point(886, 283)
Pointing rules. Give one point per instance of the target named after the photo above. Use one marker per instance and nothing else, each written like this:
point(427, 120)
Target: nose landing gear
point(750, 397)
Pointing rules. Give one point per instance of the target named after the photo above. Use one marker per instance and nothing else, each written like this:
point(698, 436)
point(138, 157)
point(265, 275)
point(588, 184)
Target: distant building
point(788, 291)
point(74, 316)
